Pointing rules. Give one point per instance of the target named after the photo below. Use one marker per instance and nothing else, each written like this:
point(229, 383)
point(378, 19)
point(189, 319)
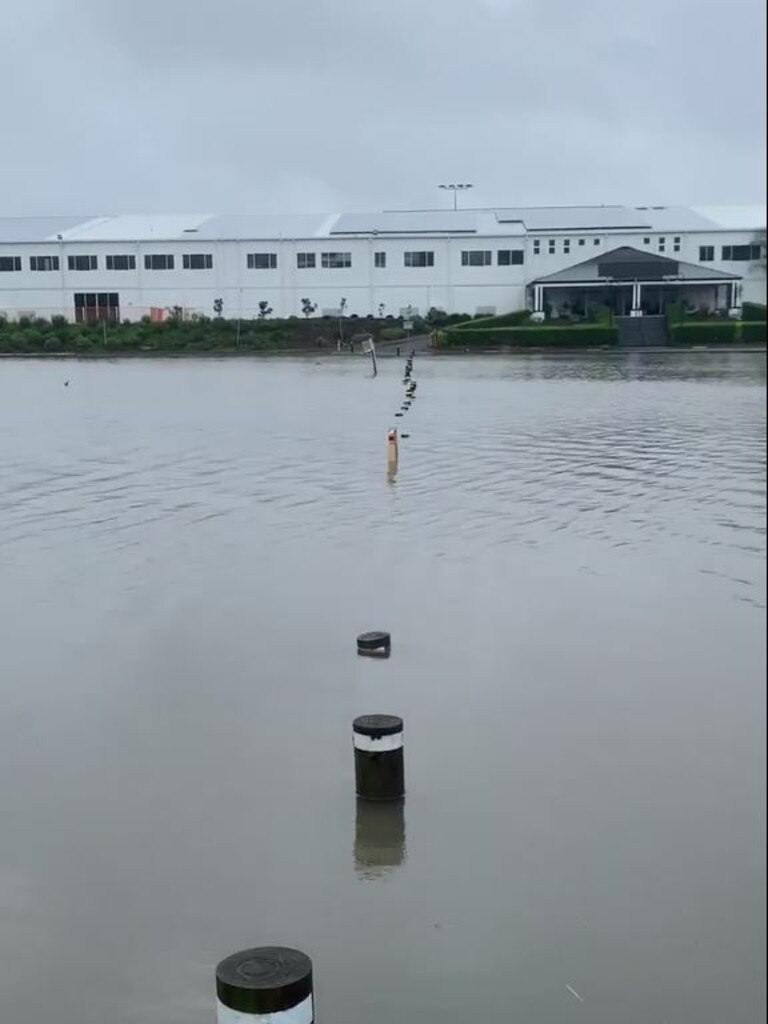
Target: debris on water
point(574, 993)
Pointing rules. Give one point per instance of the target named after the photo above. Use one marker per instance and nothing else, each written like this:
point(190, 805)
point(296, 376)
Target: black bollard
point(377, 643)
point(271, 984)
point(379, 769)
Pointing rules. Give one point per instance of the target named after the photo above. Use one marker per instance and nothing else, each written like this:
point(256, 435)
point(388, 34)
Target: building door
point(91, 307)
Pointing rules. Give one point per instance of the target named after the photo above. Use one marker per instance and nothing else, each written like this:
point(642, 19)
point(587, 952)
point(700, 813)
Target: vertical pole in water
point(368, 346)
point(268, 985)
point(392, 455)
point(379, 768)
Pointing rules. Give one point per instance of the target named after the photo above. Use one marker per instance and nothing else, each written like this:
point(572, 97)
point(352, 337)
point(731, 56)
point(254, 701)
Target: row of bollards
point(392, 434)
point(273, 984)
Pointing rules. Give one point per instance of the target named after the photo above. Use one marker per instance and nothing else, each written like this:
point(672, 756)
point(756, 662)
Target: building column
point(538, 302)
point(734, 300)
point(637, 299)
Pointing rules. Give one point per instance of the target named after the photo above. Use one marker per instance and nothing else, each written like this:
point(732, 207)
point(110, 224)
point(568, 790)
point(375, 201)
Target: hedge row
point(519, 318)
point(753, 311)
point(587, 336)
point(31, 335)
point(721, 332)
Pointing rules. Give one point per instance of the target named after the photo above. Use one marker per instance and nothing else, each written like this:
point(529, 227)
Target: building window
point(596, 241)
point(158, 261)
point(741, 253)
point(581, 241)
point(510, 257)
point(305, 260)
point(197, 261)
point(536, 246)
point(551, 247)
point(91, 306)
point(676, 244)
point(566, 245)
point(476, 258)
point(10, 263)
point(335, 260)
point(43, 262)
point(646, 241)
point(82, 263)
point(262, 260)
point(380, 259)
point(419, 259)
point(121, 262)
point(706, 253)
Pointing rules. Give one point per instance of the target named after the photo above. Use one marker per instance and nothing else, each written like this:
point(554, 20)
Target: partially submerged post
point(368, 346)
point(379, 767)
point(267, 985)
point(392, 454)
point(376, 643)
point(379, 837)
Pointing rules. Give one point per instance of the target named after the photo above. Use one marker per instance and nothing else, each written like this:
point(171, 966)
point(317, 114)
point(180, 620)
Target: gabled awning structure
point(629, 267)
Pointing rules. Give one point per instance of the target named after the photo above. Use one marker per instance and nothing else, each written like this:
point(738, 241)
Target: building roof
point(627, 264)
point(504, 221)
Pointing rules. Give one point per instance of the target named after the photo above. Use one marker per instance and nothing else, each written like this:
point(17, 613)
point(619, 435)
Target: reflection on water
point(379, 837)
point(572, 566)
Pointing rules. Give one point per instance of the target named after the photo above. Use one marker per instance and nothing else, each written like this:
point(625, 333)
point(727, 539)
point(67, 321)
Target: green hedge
point(29, 335)
point(753, 311)
point(516, 319)
point(753, 333)
point(719, 332)
point(587, 336)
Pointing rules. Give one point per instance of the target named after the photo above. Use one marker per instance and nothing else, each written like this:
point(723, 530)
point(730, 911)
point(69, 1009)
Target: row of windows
point(552, 245)
point(662, 243)
point(343, 260)
point(742, 253)
point(260, 260)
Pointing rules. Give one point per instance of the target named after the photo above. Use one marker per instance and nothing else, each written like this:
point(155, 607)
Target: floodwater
point(571, 561)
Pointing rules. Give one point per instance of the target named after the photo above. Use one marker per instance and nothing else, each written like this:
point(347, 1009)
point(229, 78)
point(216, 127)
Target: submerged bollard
point(379, 769)
point(267, 985)
point(379, 837)
point(392, 449)
point(377, 643)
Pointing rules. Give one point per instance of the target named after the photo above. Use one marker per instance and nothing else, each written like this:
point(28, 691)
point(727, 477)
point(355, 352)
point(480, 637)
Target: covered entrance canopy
point(631, 282)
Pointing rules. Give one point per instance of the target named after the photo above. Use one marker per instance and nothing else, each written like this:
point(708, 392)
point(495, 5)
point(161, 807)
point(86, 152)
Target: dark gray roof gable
point(636, 264)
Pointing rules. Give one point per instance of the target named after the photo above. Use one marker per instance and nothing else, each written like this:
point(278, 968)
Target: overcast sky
point(226, 106)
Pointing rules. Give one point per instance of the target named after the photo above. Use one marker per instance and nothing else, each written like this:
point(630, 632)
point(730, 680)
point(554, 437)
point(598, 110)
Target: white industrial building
point(462, 261)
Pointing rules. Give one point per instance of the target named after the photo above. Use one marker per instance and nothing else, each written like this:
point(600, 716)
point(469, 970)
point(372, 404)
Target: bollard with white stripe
point(268, 985)
point(379, 771)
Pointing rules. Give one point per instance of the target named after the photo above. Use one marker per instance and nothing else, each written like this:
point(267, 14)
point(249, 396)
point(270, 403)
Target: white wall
point(447, 284)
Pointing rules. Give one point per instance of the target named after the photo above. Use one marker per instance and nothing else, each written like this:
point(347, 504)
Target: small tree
point(308, 307)
point(218, 306)
point(342, 307)
point(382, 306)
point(264, 309)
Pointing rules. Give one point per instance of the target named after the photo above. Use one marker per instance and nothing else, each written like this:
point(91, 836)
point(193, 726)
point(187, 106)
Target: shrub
point(711, 332)
point(753, 332)
point(391, 333)
point(531, 337)
point(751, 311)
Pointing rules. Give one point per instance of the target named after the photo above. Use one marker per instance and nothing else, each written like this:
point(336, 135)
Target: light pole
point(455, 189)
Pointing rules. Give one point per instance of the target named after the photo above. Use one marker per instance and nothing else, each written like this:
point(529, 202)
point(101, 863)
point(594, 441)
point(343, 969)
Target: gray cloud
point(250, 105)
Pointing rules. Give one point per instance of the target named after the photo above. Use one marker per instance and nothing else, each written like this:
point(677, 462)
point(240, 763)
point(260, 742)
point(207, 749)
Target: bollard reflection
point(379, 837)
